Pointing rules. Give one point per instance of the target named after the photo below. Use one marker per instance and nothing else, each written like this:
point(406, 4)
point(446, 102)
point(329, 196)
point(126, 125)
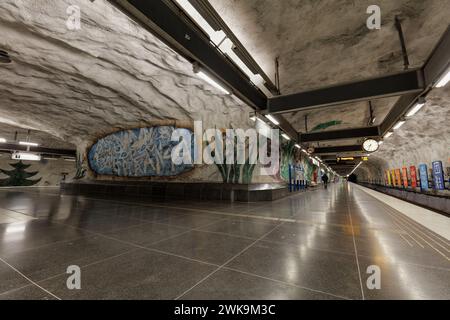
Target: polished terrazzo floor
point(313, 245)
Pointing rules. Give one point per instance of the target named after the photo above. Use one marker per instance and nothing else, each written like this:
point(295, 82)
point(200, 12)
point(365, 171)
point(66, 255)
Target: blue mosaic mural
point(142, 152)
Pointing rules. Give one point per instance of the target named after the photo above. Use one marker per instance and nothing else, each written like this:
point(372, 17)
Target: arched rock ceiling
point(111, 74)
point(325, 42)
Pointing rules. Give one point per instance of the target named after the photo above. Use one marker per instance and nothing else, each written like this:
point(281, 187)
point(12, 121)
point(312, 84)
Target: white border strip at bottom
point(429, 219)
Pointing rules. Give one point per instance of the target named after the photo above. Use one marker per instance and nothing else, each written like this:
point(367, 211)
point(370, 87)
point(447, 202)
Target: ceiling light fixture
point(417, 106)
point(2, 140)
point(26, 143)
point(212, 82)
point(215, 36)
point(442, 82)
point(387, 135)
point(272, 119)
point(284, 135)
point(298, 146)
point(355, 168)
point(399, 124)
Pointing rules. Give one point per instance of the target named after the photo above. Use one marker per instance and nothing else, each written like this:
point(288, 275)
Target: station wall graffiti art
point(141, 152)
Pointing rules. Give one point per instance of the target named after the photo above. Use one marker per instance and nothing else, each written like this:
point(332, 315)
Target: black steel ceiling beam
point(340, 134)
point(339, 149)
point(173, 28)
point(439, 60)
point(402, 105)
point(385, 86)
point(51, 151)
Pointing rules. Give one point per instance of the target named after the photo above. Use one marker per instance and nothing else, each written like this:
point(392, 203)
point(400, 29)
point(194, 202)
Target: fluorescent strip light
point(388, 135)
point(444, 80)
point(25, 156)
point(380, 143)
point(253, 118)
point(415, 109)
point(355, 168)
point(298, 146)
point(399, 124)
point(2, 140)
point(206, 78)
point(26, 143)
point(284, 135)
point(272, 119)
point(69, 159)
point(50, 158)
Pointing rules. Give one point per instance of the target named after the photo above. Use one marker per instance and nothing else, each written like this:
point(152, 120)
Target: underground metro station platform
point(194, 150)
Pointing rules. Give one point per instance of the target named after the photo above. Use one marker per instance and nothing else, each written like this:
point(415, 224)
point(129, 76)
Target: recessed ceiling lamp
point(4, 57)
point(399, 124)
point(419, 105)
point(26, 143)
point(284, 135)
point(442, 82)
point(272, 119)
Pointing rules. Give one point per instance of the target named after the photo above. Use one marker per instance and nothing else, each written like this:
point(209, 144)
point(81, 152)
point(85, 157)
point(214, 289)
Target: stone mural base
point(176, 191)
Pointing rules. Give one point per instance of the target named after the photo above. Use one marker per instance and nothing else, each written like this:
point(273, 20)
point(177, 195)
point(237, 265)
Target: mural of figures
point(141, 152)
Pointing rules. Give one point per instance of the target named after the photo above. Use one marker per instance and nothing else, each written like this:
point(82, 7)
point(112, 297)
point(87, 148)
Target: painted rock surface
point(142, 152)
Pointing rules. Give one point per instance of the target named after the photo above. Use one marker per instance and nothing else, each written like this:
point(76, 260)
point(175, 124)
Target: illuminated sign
point(423, 173)
point(438, 175)
point(413, 173)
point(405, 177)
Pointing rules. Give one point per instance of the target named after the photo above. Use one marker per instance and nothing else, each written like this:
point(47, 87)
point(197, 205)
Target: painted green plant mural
point(233, 173)
point(18, 176)
point(287, 158)
point(326, 125)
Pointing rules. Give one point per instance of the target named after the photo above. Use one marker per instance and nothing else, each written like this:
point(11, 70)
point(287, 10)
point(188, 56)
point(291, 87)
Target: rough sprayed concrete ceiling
point(347, 116)
point(44, 139)
point(325, 42)
point(111, 74)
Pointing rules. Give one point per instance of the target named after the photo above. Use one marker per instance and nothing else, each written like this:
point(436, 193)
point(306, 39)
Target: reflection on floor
point(313, 245)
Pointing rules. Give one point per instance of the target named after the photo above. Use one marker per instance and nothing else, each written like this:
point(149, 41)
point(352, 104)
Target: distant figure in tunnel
point(325, 180)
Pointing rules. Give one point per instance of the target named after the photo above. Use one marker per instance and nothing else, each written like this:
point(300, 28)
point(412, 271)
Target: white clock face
point(370, 145)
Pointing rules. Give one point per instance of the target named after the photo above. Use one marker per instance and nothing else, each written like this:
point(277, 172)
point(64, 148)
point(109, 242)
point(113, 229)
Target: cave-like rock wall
point(424, 138)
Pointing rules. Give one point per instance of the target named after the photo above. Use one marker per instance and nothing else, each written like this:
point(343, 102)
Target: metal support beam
point(51, 151)
point(403, 104)
point(385, 86)
point(439, 60)
point(177, 31)
point(339, 149)
point(340, 134)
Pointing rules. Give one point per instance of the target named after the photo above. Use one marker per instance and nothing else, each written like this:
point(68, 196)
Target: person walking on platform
point(325, 180)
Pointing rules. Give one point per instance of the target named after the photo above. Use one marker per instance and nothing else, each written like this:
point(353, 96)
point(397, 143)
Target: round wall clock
point(370, 145)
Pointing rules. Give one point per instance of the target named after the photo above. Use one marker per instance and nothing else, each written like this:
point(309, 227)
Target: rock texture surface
point(110, 74)
point(79, 85)
point(424, 138)
point(322, 42)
